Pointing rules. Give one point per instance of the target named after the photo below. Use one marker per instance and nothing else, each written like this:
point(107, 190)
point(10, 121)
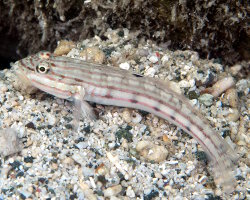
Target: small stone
point(30, 125)
point(3, 89)
point(11, 161)
point(241, 143)
point(89, 193)
point(164, 59)
point(203, 179)
point(175, 87)
point(150, 194)
point(153, 59)
point(64, 47)
point(124, 133)
point(126, 115)
point(87, 172)
point(165, 138)
point(101, 170)
point(187, 67)
point(93, 54)
point(243, 127)
point(192, 83)
point(9, 142)
point(21, 98)
point(235, 69)
point(125, 144)
point(206, 99)
point(130, 192)
point(193, 95)
point(233, 116)
point(24, 194)
point(184, 84)
point(14, 103)
point(136, 118)
point(125, 66)
point(68, 161)
point(112, 191)
point(222, 85)
point(7, 122)
point(142, 52)
point(150, 72)
point(82, 145)
point(173, 162)
point(194, 57)
point(51, 119)
point(128, 47)
point(231, 98)
point(54, 166)
point(30, 189)
point(78, 158)
point(112, 36)
point(152, 152)
point(243, 86)
point(158, 175)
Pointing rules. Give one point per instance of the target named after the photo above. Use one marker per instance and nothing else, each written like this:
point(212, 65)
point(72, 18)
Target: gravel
point(53, 160)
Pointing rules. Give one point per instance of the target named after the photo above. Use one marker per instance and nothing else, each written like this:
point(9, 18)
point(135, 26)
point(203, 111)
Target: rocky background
point(216, 29)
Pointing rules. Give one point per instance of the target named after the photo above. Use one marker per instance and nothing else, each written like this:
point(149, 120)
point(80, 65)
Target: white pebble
point(190, 168)
point(111, 145)
point(222, 85)
point(93, 54)
point(203, 180)
point(136, 118)
point(78, 158)
point(130, 192)
point(25, 193)
point(235, 69)
point(194, 102)
point(112, 191)
point(194, 57)
point(126, 115)
point(20, 98)
point(173, 162)
point(231, 98)
point(9, 142)
point(125, 66)
point(164, 59)
point(153, 59)
point(206, 99)
point(192, 83)
point(152, 152)
point(4, 89)
point(51, 119)
point(128, 47)
point(150, 72)
point(142, 52)
point(82, 145)
point(233, 116)
point(11, 160)
point(186, 67)
point(184, 84)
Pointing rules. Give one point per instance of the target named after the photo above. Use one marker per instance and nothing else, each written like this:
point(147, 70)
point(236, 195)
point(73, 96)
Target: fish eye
point(42, 68)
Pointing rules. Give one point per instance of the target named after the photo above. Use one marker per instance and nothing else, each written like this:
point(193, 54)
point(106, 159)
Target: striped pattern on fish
point(82, 81)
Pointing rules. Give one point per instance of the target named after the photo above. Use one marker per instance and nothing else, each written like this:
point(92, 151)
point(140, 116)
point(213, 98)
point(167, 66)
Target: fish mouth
point(22, 81)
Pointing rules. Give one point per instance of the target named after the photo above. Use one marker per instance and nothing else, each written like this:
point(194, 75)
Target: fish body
point(82, 81)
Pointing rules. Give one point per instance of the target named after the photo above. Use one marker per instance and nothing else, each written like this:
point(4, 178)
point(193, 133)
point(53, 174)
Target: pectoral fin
point(82, 108)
